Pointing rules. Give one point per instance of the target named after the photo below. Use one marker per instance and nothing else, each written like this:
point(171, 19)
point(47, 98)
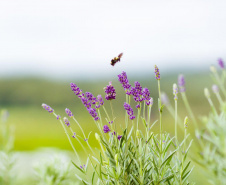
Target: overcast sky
point(65, 38)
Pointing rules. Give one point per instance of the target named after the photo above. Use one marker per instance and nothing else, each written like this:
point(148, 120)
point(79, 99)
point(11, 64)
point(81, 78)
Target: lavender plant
point(7, 157)
point(213, 154)
point(138, 155)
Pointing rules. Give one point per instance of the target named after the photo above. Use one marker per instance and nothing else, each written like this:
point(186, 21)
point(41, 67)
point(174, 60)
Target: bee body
point(116, 59)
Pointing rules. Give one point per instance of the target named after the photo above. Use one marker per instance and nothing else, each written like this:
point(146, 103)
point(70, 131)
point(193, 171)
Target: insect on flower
point(116, 59)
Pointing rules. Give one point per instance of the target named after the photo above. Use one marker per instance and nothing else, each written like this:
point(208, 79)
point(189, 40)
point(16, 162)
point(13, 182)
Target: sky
point(78, 38)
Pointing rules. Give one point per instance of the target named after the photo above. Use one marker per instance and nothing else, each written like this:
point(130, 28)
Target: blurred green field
point(34, 127)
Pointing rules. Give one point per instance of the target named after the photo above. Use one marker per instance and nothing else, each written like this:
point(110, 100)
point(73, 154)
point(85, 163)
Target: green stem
point(83, 135)
point(184, 97)
point(176, 122)
point(160, 116)
point(65, 130)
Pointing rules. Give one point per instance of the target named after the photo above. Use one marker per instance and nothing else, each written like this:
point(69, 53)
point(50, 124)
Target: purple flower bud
point(157, 74)
point(74, 135)
point(110, 122)
point(181, 83)
point(68, 112)
point(47, 107)
point(110, 92)
point(66, 121)
point(86, 139)
point(138, 106)
point(221, 63)
point(106, 129)
point(215, 88)
point(119, 137)
point(58, 117)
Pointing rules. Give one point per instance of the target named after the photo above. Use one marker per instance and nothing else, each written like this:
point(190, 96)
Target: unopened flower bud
point(138, 134)
point(207, 93)
point(186, 122)
point(175, 91)
point(213, 69)
point(97, 137)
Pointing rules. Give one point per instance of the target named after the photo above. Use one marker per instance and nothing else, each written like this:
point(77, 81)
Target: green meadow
point(35, 127)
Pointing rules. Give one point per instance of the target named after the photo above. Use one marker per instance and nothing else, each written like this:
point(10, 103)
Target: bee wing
point(120, 55)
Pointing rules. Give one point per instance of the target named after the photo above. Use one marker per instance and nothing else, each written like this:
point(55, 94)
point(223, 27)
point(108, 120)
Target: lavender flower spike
point(175, 91)
point(221, 63)
point(66, 121)
point(157, 74)
point(129, 111)
point(110, 92)
point(181, 83)
point(215, 89)
point(106, 129)
point(47, 107)
point(68, 112)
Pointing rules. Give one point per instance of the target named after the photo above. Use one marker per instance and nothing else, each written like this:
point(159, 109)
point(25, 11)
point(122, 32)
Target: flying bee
point(116, 59)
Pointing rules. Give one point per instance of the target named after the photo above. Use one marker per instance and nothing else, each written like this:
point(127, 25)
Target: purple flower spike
point(181, 83)
point(150, 102)
point(137, 92)
point(157, 74)
point(76, 89)
point(175, 91)
point(119, 137)
point(93, 113)
point(221, 63)
point(215, 89)
point(110, 92)
point(106, 129)
point(47, 107)
point(66, 121)
point(68, 112)
point(58, 117)
point(100, 101)
point(129, 111)
point(122, 78)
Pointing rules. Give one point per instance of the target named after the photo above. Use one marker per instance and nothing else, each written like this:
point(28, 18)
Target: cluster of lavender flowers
point(139, 94)
point(88, 100)
point(129, 111)
point(110, 92)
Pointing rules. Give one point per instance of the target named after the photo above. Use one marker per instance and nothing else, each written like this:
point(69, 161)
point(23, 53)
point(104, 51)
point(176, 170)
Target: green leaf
point(167, 178)
point(185, 168)
point(130, 133)
point(156, 145)
point(168, 145)
point(187, 174)
point(149, 138)
point(144, 122)
point(78, 167)
point(186, 152)
point(93, 177)
point(168, 159)
point(135, 179)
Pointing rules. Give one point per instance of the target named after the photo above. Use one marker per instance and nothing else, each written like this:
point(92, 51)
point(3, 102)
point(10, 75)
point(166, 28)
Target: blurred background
point(46, 44)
